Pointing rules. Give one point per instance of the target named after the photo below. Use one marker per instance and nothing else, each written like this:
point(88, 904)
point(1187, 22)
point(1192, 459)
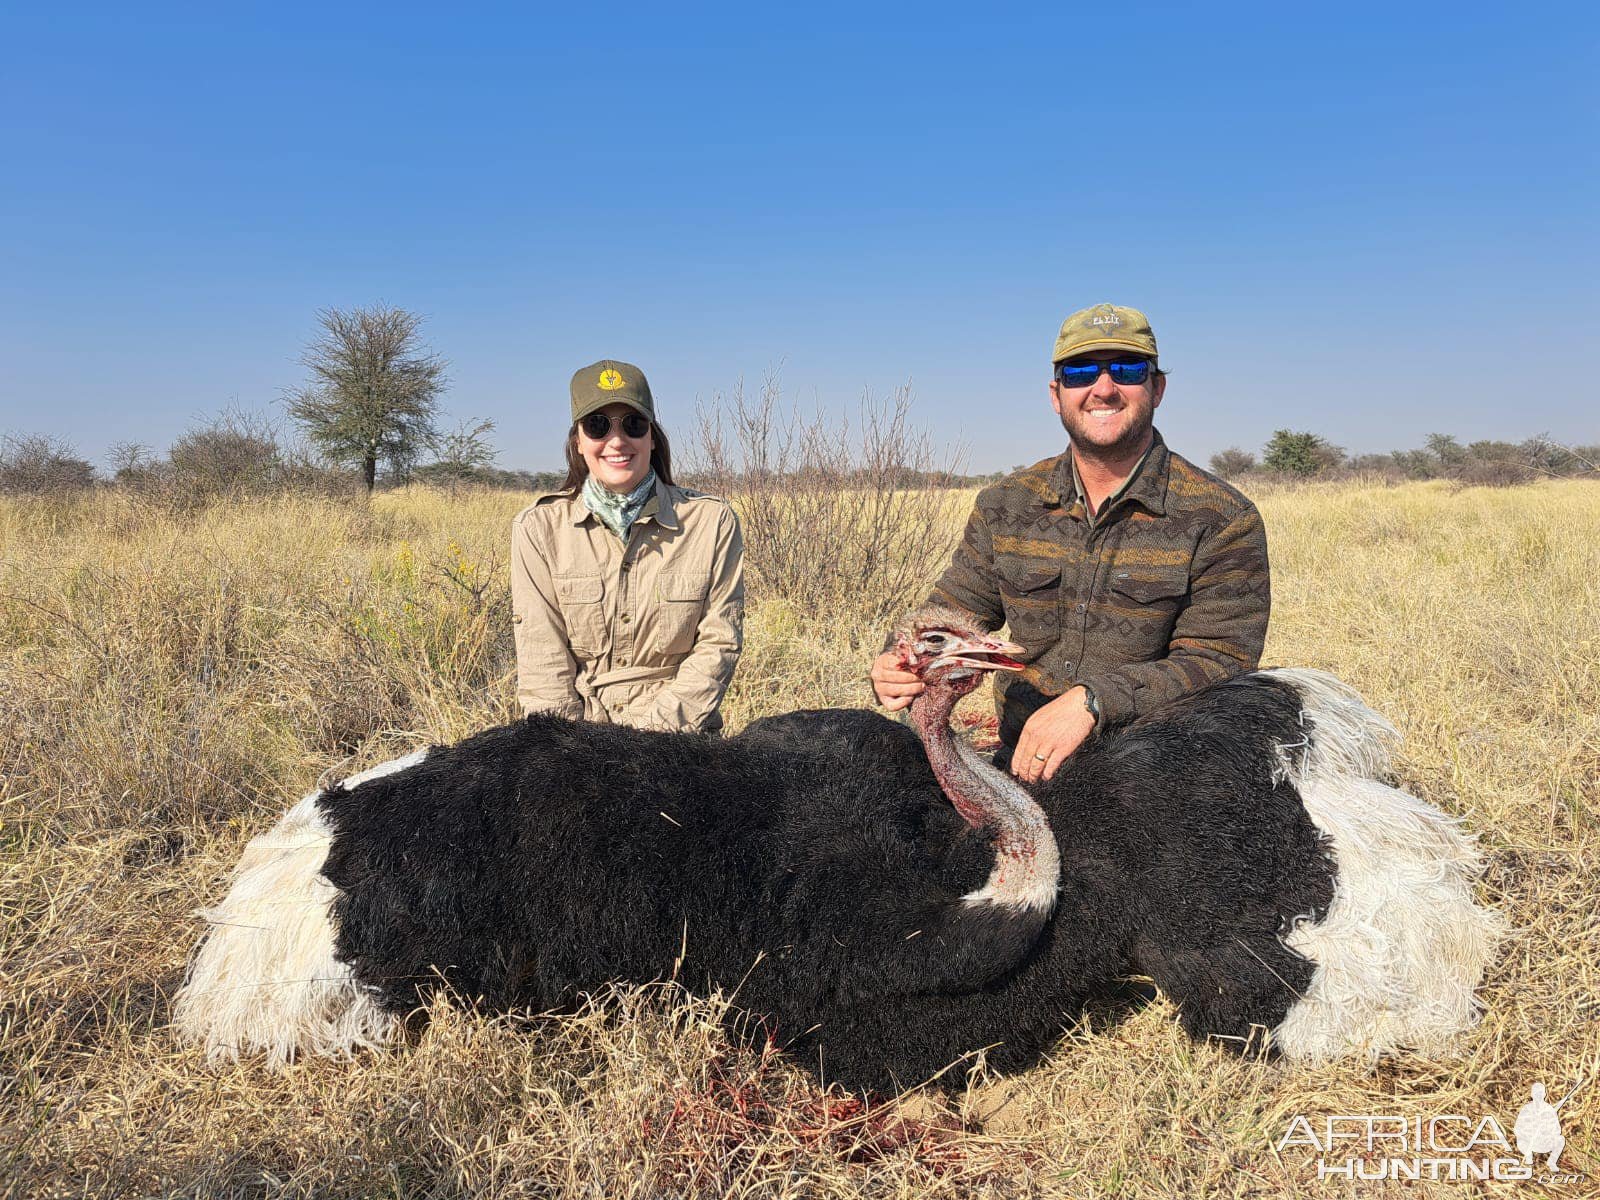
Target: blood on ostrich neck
point(1027, 862)
point(930, 717)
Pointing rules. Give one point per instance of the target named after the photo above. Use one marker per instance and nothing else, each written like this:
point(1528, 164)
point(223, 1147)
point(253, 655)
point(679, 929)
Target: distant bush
point(465, 457)
point(1293, 452)
point(1442, 456)
point(1494, 463)
point(1380, 466)
point(37, 464)
point(1232, 462)
point(498, 478)
point(234, 454)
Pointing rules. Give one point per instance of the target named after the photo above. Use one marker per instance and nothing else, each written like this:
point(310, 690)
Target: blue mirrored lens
point(1129, 371)
point(1080, 376)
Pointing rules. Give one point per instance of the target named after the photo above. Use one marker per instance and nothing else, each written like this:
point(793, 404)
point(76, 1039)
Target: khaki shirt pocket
point(1030, 591)
point(582, 602)
point(683, 602)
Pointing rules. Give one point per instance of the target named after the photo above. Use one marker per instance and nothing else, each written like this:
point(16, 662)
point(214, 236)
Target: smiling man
point(1129, 575)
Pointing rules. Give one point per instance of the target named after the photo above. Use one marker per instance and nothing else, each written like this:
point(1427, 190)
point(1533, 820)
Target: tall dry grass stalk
point(169, 682)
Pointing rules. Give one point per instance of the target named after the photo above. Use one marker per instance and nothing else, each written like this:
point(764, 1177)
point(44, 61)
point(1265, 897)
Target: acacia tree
point(374, 392)
point(1299, 453)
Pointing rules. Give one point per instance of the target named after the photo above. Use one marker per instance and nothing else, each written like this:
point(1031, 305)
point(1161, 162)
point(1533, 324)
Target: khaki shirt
point(644, 634)
point(1165, 590)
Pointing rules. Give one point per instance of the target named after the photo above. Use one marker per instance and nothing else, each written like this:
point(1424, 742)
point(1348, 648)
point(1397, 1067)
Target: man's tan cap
point(610, 382)
point(1105, 327)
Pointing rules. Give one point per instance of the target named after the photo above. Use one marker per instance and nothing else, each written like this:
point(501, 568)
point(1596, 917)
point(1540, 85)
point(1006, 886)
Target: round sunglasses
point(1122, 371)
point(599, 425)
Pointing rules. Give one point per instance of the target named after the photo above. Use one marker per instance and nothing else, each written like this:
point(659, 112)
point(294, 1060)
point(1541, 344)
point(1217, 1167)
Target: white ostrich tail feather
point(265, 979)
point(1404, 943)
point(1343, 736)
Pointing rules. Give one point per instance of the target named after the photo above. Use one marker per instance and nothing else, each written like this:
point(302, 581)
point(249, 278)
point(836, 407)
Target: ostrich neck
point(1027, 862)
point(930, 716)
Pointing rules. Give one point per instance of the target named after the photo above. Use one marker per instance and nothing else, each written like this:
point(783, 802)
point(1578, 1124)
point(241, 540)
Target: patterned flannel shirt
point(1165, 591)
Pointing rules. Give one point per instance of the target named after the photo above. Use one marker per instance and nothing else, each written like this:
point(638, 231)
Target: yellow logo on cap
point(610, 380)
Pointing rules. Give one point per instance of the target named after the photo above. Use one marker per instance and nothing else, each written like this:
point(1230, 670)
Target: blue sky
point(1373, 222)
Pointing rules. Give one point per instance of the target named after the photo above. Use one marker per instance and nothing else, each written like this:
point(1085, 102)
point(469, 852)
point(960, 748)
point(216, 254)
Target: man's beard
point(1130, 443)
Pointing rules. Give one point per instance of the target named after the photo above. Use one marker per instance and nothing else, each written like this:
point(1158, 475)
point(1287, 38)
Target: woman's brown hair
point(660, 458)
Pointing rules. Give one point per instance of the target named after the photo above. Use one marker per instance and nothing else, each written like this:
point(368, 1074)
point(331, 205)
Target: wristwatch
point(1091, 702)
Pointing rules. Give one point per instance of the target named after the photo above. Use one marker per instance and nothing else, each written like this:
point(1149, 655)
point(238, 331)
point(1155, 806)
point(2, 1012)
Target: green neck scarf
point(617, 513)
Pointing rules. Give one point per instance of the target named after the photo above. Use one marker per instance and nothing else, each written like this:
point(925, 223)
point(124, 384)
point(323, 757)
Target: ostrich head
point(950, 654)
point(946, 649)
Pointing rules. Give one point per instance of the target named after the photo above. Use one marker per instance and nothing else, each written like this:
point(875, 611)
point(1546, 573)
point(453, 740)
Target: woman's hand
point(894, 688)
point(1051, 734)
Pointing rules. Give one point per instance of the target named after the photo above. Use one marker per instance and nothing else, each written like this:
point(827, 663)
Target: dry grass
point(168, 683)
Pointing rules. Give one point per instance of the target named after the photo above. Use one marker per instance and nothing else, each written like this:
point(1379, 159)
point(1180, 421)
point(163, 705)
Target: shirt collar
point(660, 507)
point(1146, 485)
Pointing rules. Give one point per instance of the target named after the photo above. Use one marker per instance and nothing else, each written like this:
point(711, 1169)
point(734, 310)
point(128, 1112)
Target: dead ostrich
point(885, 900)
point(534, 863)
point(1240, 847)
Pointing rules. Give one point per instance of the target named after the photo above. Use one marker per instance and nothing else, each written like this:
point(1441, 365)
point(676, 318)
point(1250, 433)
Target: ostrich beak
point(980, 654)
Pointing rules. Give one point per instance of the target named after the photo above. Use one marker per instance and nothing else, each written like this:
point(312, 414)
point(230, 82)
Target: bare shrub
point(837, 518)
point(233, 454)
point(466, 456)
point(1546, 456)
point(40, 465)
point(1495, 464)
point(130, 461)
point(1232, 461)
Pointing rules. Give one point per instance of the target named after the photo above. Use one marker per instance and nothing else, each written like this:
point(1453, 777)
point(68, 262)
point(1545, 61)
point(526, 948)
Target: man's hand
point(1051, 734)
point(894, 688)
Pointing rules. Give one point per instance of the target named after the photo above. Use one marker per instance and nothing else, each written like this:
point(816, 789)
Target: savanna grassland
point(169, 682)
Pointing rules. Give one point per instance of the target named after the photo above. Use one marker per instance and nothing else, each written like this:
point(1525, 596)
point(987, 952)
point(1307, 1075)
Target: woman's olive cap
point(1105, 327)
point(610, 382)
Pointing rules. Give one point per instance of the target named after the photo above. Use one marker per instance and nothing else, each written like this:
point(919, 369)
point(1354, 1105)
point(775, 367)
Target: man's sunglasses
point(1123, 371)
point(599, 425)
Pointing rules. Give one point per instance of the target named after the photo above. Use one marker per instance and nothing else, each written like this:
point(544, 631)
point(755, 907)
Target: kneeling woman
point(627, 591)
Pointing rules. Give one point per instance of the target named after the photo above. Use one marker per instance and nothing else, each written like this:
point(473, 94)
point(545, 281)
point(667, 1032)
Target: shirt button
point(624, 618)
point(1081, 607)
point(1069, 668)
point(625, 566)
